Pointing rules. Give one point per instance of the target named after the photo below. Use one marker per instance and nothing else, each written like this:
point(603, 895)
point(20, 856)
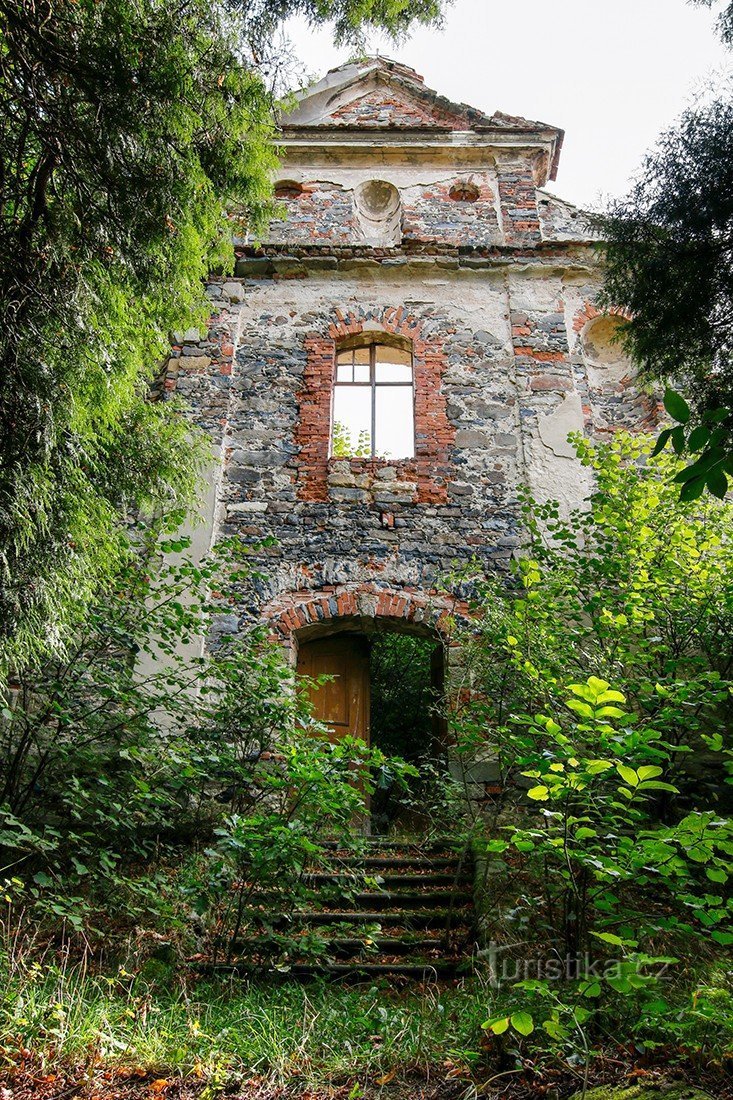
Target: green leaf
point(609, 937)
point(717, 483)
point(692, 489)
point(676, 406)
point(539, 794)
point(555, 1029)
point(610, 712)
point(716, 874)
point(594, 767)
point(678, 440)
point(497, 1025)
point(662, 441)
point(611, 696)
point(698, 438)
point(583, 709)
point(621, 985)
point(628, 775)
point(523, 1023)
point(649, 771)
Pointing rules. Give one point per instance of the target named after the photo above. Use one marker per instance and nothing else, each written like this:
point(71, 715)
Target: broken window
point(373, 403)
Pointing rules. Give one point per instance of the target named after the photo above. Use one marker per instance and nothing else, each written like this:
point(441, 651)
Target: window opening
point(373, 403)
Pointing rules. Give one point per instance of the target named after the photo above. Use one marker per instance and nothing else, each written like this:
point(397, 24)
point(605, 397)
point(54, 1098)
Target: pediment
point(379, 96)
point(388, 106)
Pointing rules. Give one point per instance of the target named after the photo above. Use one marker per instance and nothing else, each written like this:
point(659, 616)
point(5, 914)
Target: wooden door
point(343, 702)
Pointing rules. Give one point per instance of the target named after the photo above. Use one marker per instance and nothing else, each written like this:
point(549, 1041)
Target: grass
point(62, 1018)
point(313, 1033)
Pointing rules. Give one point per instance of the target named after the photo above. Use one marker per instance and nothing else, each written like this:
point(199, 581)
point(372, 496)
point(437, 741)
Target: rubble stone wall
point(504, 369)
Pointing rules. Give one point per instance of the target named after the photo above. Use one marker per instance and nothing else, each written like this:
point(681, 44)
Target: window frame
point(372, 384)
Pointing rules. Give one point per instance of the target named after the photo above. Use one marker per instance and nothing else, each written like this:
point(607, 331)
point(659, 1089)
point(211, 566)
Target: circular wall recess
point(288, 189)
point(463, 191)
point(378, 211)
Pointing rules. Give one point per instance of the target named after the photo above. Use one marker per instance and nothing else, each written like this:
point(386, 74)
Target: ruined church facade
point(416, 243)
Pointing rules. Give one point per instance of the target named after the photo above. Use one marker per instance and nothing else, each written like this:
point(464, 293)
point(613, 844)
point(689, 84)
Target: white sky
point(612, 75)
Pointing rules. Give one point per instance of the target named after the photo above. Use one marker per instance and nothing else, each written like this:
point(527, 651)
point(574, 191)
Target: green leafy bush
point(601, 686)
point(135, 751)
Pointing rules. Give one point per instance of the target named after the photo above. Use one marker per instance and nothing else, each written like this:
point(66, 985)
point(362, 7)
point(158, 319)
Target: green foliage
point(635, 588)
point(131, 132)
point(343, 445)
point(706, 440)
point(351, 19)
point(133, 747)
point(404, 704)
point(667, 255)
point(611, 836)
point(304, 791)
point(402, 694)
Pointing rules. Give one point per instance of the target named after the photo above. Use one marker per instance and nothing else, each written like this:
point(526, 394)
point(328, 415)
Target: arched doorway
point(385, 685)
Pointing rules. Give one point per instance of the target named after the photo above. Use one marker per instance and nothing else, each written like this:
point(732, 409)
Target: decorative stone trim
point(424, 478)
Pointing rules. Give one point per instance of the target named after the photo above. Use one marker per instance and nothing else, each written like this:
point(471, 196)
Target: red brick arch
point(305, 613)
point(589, 312)
point(430, 468)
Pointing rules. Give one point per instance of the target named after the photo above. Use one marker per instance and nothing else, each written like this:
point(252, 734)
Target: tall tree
point(128, 130)
point(669, 261)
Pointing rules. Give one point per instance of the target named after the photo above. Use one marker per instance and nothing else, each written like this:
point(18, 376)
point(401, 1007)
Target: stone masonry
point(492, 283)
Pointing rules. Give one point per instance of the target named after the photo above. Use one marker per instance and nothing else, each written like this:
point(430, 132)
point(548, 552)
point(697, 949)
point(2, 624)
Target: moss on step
point(657, 1091)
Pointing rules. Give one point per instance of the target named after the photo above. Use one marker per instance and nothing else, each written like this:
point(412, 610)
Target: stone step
point(371, 846)
point(348, 946)
point(388, 880)
point(439, 968)
point(397, 906)
point(413, 899)
point(400, 863)
point(413, 918)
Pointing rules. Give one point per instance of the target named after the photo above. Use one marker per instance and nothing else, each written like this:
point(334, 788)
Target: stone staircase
point(399, 907)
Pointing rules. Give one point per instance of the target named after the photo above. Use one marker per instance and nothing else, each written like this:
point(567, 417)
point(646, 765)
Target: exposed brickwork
point(293, 612)
point(423, 479)
point(321, 212)
point(496, 297)
point(612, 398)
point(589, 311)
point(434, 215)
point(518, 196)
point(388, 107)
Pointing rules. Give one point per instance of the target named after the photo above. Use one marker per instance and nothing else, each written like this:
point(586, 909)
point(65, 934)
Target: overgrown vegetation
point(131, 133)
point(668, 259)
point(146, 786)
point(159, 812)
point(602, 688)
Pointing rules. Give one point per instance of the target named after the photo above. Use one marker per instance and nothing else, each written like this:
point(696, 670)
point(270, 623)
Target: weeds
point(64, 1015)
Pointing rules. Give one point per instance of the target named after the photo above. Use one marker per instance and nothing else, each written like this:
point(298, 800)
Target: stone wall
point(492, 282)
point(504, 367)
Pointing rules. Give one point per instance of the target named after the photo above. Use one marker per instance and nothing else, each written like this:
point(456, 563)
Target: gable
point(386, 106)
point(378, 94)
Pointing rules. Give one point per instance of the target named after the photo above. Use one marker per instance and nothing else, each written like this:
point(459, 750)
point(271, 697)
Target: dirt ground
point(128, 1085)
